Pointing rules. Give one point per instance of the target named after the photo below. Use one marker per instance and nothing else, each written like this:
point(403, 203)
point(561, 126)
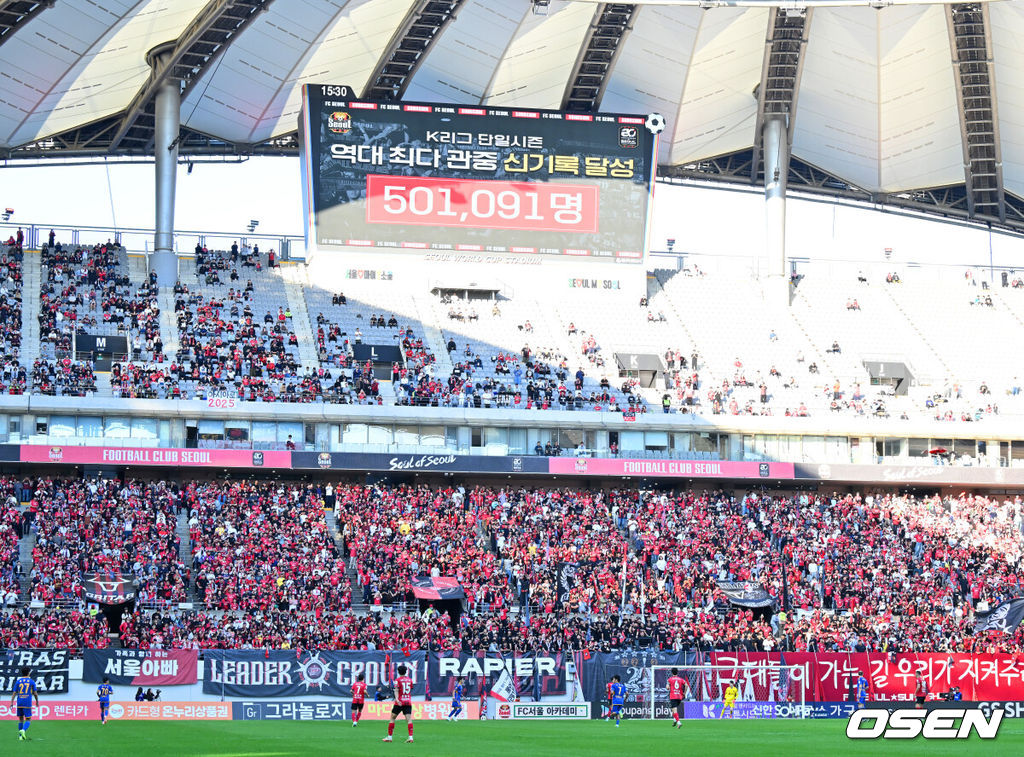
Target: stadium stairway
point(25, 546)
point(31, 273)
point(103, 388)
point(184, 547)
point(294, 278)
point(137, 268)
point(432, 334)
point(168, 323)
point(931, 348)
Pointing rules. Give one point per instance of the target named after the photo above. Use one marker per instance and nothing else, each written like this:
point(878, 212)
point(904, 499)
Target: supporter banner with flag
point(566, 581)
point(830, 676)
point(425, 587)
point(1005, 617)
point(540, 673)
point(109, 588)
point(49, 669)
point(141, 667)
point(746, 593)
point(292, 673)
point(633, 669)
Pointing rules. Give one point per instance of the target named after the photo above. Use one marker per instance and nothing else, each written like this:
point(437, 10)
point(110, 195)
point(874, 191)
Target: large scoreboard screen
point(428, 177)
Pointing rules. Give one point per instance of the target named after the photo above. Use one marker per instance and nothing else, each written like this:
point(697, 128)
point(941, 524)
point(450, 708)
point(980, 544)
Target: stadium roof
point(920, 105)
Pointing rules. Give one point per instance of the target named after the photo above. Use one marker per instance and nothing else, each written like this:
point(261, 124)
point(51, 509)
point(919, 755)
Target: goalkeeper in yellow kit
point(729, 701)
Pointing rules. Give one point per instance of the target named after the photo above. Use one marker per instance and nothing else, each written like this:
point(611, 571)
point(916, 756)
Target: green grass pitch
point(742, 738)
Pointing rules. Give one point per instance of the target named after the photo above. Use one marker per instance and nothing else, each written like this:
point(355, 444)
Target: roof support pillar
point(167, 126)
point(776, 170)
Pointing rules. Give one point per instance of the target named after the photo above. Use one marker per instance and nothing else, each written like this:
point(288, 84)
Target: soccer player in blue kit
point(617, 694)
point(103, 692)
point(24, 692)
point(862, 690)
point(456, 700)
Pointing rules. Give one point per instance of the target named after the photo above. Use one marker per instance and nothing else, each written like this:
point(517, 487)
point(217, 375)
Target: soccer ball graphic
point(655, 123)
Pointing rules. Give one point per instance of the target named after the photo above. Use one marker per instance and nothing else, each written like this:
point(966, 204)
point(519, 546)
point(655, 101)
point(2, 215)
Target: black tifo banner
point(482, 669)
point(287, 673)
point(469, 178)
point(633, 669)
point(48, 667)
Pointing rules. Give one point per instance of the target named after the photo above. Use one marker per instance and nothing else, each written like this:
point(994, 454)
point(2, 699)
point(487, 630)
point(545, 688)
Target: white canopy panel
point(464, 59)
point(876, 103)
point(877, 100)
point(80, 61)
point(537, 64)
point(252, 94)
point(1008, 56)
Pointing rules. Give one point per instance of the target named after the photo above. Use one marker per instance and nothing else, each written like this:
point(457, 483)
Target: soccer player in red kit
point(403, 703)
point(358, 697)
point(920, 691)
point(676, 687)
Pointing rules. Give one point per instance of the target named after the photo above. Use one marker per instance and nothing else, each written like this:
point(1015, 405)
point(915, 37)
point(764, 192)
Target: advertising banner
point(615, 466)
point(286, 673)
point(542, 673)
point(49, 669)
point(336, 710)
point(429, 177)
point(542, 711)
point(73, 710)
point(419, 463)
point(742, 711)
point(158, 456)
point(141, 667)
point(829, 676)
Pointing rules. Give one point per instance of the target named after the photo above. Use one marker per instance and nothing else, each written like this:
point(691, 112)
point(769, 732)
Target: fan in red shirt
point(403, 703)
point(358, 697)
point(676, 686)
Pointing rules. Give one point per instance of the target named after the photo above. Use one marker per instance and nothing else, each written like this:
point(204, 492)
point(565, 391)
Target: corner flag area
point(548, 739)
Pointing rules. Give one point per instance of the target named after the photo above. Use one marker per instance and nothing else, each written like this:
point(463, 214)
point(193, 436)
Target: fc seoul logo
point(314, 672)
point(339, 122)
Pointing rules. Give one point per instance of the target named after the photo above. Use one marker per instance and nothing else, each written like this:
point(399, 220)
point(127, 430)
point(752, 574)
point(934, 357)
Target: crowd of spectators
point(540, 566)
point(88, 290)
point(63, 378)
point(52, 628)
point(263, 546)
point(105, 525)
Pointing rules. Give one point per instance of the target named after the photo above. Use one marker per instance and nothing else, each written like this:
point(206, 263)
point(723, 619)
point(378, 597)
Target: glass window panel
point(918, 447)
point(354, 433)
point(264, 431)
point(378, 434)
point(144, 428)
point(495, 436)
point(117, 428)
point(407, 434)
point(211, 429)
point(289, 428)
point(432, 436)
point(90, 426)
point(631, 440)
point(62, 425)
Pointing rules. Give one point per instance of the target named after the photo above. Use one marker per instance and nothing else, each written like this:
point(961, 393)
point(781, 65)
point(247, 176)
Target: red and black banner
point(109, 588)
point(426, 587)
point(141, 667)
